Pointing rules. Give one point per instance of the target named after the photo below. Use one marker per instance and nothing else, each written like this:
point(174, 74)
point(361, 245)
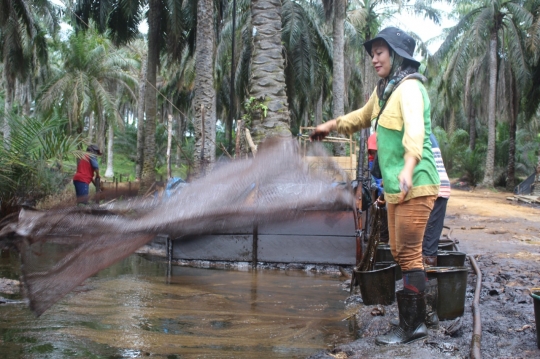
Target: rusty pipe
point(477, 321)
point(476, 340)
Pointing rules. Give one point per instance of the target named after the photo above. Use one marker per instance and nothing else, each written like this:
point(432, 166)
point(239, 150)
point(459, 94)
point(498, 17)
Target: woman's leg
point(391, 217)
point(406, 224)
point(410, 224)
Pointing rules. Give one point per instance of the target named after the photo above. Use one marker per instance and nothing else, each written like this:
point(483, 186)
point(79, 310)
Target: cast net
point(61, 248)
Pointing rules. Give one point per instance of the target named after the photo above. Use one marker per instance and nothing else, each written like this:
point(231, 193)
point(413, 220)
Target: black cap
point(398, 40)
point(94, 149)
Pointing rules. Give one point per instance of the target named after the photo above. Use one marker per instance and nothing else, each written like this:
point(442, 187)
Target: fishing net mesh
point(61, 248)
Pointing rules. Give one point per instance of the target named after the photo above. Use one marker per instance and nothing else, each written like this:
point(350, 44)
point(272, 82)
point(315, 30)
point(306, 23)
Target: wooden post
point(238, 135)
point(251, 143)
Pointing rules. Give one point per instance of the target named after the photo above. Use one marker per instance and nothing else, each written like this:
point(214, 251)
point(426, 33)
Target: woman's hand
point(381, 202)
point(405, 177)
point(321, 131)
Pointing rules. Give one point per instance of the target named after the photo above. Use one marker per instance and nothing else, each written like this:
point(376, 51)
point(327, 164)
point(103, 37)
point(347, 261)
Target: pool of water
point(135, 310)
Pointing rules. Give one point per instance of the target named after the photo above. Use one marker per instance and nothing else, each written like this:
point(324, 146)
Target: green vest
point(390, 152)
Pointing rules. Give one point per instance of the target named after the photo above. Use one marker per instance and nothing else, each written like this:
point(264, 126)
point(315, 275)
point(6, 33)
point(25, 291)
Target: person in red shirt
point(86, 167)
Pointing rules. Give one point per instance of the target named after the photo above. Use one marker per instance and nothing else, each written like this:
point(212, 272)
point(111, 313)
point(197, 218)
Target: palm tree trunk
point(110, 142)
point(169, 143)
point(91, 124)
point(8, 101)
point(179, 138)
point(490, 156)
point(204, 100)
point(100, 136)
point(140, 117)
point(319, 110)
point(472, 127)
point(452, 121)
point(267, 83)
point(338, 64)
point(338, 78)
point(148, 176)
point(369, 76)
point(511, 169)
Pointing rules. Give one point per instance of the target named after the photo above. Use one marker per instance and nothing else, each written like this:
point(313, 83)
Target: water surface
point(134, 310)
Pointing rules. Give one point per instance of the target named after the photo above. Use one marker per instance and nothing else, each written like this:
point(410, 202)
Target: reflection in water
point(131, 310)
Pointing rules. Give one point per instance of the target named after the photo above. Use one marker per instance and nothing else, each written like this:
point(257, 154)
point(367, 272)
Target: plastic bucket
point(452, 284)
point(450, 259)
point(446, 246)
point(384, 254)
point(381, 265)
point(535, 294)
point(377, 286)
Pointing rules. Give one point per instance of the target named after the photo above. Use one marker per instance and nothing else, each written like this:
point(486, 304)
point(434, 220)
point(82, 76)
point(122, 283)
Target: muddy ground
point(504, 237)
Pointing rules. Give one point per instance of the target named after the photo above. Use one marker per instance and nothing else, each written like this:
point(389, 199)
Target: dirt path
point(504, 237)
point(503, 227)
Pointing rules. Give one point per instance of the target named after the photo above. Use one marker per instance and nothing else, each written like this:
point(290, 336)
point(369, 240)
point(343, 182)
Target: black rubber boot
point(414, 281)
point(431, 295)
point(412, 313)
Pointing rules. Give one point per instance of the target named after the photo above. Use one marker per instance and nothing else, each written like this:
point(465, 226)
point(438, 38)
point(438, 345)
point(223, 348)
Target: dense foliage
point(71, 74)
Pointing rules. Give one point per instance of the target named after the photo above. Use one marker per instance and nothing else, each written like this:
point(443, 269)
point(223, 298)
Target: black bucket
point(381, 265)
point(446, 245)
point(450, 259)
point(535, 294)
point(452, 283)
point(384, 254)
point(377, 286)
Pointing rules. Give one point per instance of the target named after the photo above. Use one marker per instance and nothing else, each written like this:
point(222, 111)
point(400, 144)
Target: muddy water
point(134, 310)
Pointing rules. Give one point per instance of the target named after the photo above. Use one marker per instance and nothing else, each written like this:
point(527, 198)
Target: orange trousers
point(406, 226)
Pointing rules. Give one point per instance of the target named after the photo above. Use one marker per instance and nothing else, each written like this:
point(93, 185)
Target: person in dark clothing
point(435, 223)
point(86, 168)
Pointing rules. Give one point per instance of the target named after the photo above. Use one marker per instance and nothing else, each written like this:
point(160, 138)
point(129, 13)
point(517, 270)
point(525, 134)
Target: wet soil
point(504, 237)
point(98, 321)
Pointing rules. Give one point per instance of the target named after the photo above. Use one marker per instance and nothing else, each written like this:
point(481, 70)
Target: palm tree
point(31, 167)
point(148, 174)
point(204, 100)
point(166, 20)
point(270, 109)
point(229, 105)
point(338, 44)
point(485, 32)
point(23, 45)
point(308, 61)
point(87, 81)
point(308, 54)
point(140, 113)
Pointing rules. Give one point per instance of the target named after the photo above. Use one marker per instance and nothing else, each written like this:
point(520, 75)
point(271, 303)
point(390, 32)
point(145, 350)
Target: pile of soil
point(504, 237)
